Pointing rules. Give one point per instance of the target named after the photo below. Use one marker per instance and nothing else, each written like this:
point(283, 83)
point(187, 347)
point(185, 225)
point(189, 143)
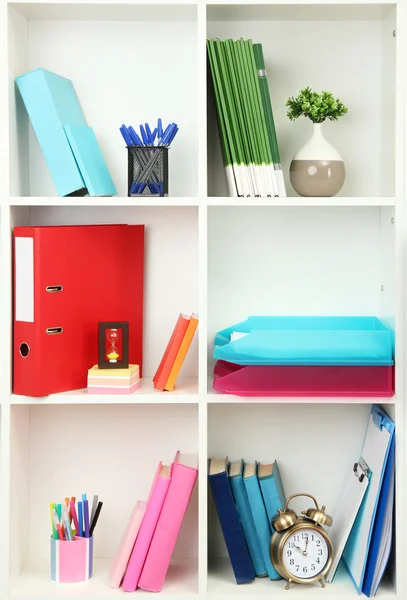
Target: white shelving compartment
point(348, 49)
point(298, 262)
point(316, 447)
point(57, 451)
point(170, 267)
point(129, 63)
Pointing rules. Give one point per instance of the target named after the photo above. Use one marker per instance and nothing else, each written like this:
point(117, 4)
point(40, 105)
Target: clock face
point(305, 553)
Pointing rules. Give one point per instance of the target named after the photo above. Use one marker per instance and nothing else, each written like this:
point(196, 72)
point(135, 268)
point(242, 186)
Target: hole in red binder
point(24, 350)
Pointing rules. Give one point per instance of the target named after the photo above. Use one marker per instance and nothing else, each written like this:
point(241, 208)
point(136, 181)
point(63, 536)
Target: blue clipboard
point(375, 452)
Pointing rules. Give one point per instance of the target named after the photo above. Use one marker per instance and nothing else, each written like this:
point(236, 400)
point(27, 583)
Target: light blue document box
point(51, 103)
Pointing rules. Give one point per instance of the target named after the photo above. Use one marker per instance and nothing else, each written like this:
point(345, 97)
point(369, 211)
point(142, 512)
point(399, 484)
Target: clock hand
point(305, 553)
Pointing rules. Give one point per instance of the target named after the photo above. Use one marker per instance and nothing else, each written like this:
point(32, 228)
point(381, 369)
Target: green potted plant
point(317, 169)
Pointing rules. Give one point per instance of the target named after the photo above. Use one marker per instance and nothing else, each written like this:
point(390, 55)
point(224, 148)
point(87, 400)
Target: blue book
point(90, 160)
point(271, 488)
point(51, 103)
point(229, 521)
point(380, 545)
point(246, 517)
point(261, 521)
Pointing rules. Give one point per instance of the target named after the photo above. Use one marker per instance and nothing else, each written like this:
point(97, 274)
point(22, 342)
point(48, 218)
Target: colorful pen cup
point(147, 170)
point(71, 562)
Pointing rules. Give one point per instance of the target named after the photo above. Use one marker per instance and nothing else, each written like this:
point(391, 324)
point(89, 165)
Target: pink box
point(71, 562)
point(304, 381)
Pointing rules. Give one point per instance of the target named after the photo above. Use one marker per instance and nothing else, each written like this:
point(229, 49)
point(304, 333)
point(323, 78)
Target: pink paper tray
point(305, 381)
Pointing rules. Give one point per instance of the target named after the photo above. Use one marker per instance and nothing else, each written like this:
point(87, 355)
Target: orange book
point(171, 351)
point(182, 352)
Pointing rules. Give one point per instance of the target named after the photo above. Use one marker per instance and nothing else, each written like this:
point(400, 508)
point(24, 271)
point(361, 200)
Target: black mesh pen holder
point(147, 171)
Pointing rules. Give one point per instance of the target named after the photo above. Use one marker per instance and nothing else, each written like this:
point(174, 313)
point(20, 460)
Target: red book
point(66, 280)
point(170, 353)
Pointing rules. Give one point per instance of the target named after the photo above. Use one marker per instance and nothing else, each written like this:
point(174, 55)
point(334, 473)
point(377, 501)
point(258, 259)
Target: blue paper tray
point(359, 341)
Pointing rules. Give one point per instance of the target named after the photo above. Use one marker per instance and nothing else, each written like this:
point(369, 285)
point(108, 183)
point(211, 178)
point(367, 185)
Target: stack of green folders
point(245, 118)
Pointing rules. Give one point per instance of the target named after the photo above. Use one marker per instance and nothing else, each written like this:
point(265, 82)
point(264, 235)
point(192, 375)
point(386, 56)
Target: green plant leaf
point(316, 106)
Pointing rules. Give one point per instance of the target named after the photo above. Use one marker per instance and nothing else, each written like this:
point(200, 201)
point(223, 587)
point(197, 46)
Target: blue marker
point(80, 519)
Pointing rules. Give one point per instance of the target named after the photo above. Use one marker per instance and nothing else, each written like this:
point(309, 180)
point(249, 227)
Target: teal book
point(258, 510)
point(246, 517)
point(271, 488)
point(90, 160)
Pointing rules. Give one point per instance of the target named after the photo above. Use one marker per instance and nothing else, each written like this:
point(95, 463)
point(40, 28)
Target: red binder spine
point(26, 345)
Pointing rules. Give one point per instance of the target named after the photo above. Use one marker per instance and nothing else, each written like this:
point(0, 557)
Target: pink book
point(119, 564)
point(168, 526)
point(154, 505)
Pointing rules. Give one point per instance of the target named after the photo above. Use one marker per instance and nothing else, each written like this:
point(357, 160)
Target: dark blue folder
point(378, 540)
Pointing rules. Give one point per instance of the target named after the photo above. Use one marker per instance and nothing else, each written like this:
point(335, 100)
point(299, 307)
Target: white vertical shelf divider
point(203, 308)
point(400, 299)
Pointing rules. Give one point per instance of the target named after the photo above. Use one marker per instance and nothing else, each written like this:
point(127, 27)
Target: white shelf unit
point(224, 257)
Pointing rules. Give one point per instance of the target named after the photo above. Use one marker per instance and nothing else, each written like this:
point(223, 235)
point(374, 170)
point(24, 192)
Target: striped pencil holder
point(71, 562)
point(147, 170)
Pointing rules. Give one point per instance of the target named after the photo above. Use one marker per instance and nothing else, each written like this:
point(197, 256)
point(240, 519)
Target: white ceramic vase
point(317, 169)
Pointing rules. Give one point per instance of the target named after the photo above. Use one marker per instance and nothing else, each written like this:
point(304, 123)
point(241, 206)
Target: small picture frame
point(113, 349)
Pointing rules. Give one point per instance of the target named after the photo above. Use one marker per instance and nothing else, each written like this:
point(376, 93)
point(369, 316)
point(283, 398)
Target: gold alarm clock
point(300, 548)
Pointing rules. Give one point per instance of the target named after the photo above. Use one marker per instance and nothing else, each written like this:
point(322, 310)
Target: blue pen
point(149, 134)
point(154, 134)
point(173, 134)
point(134, 136)
point(165, 132)
point(144, 135)
point(80, 519)
point(125, 135)
point(86, 517)
point(160, 129)
point(167, 135)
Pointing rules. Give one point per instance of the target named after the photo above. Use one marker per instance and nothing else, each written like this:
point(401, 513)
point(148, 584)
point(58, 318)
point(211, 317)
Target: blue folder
point(90, 160)
point(51, 103)
point(69, 146)
point(386, 501)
